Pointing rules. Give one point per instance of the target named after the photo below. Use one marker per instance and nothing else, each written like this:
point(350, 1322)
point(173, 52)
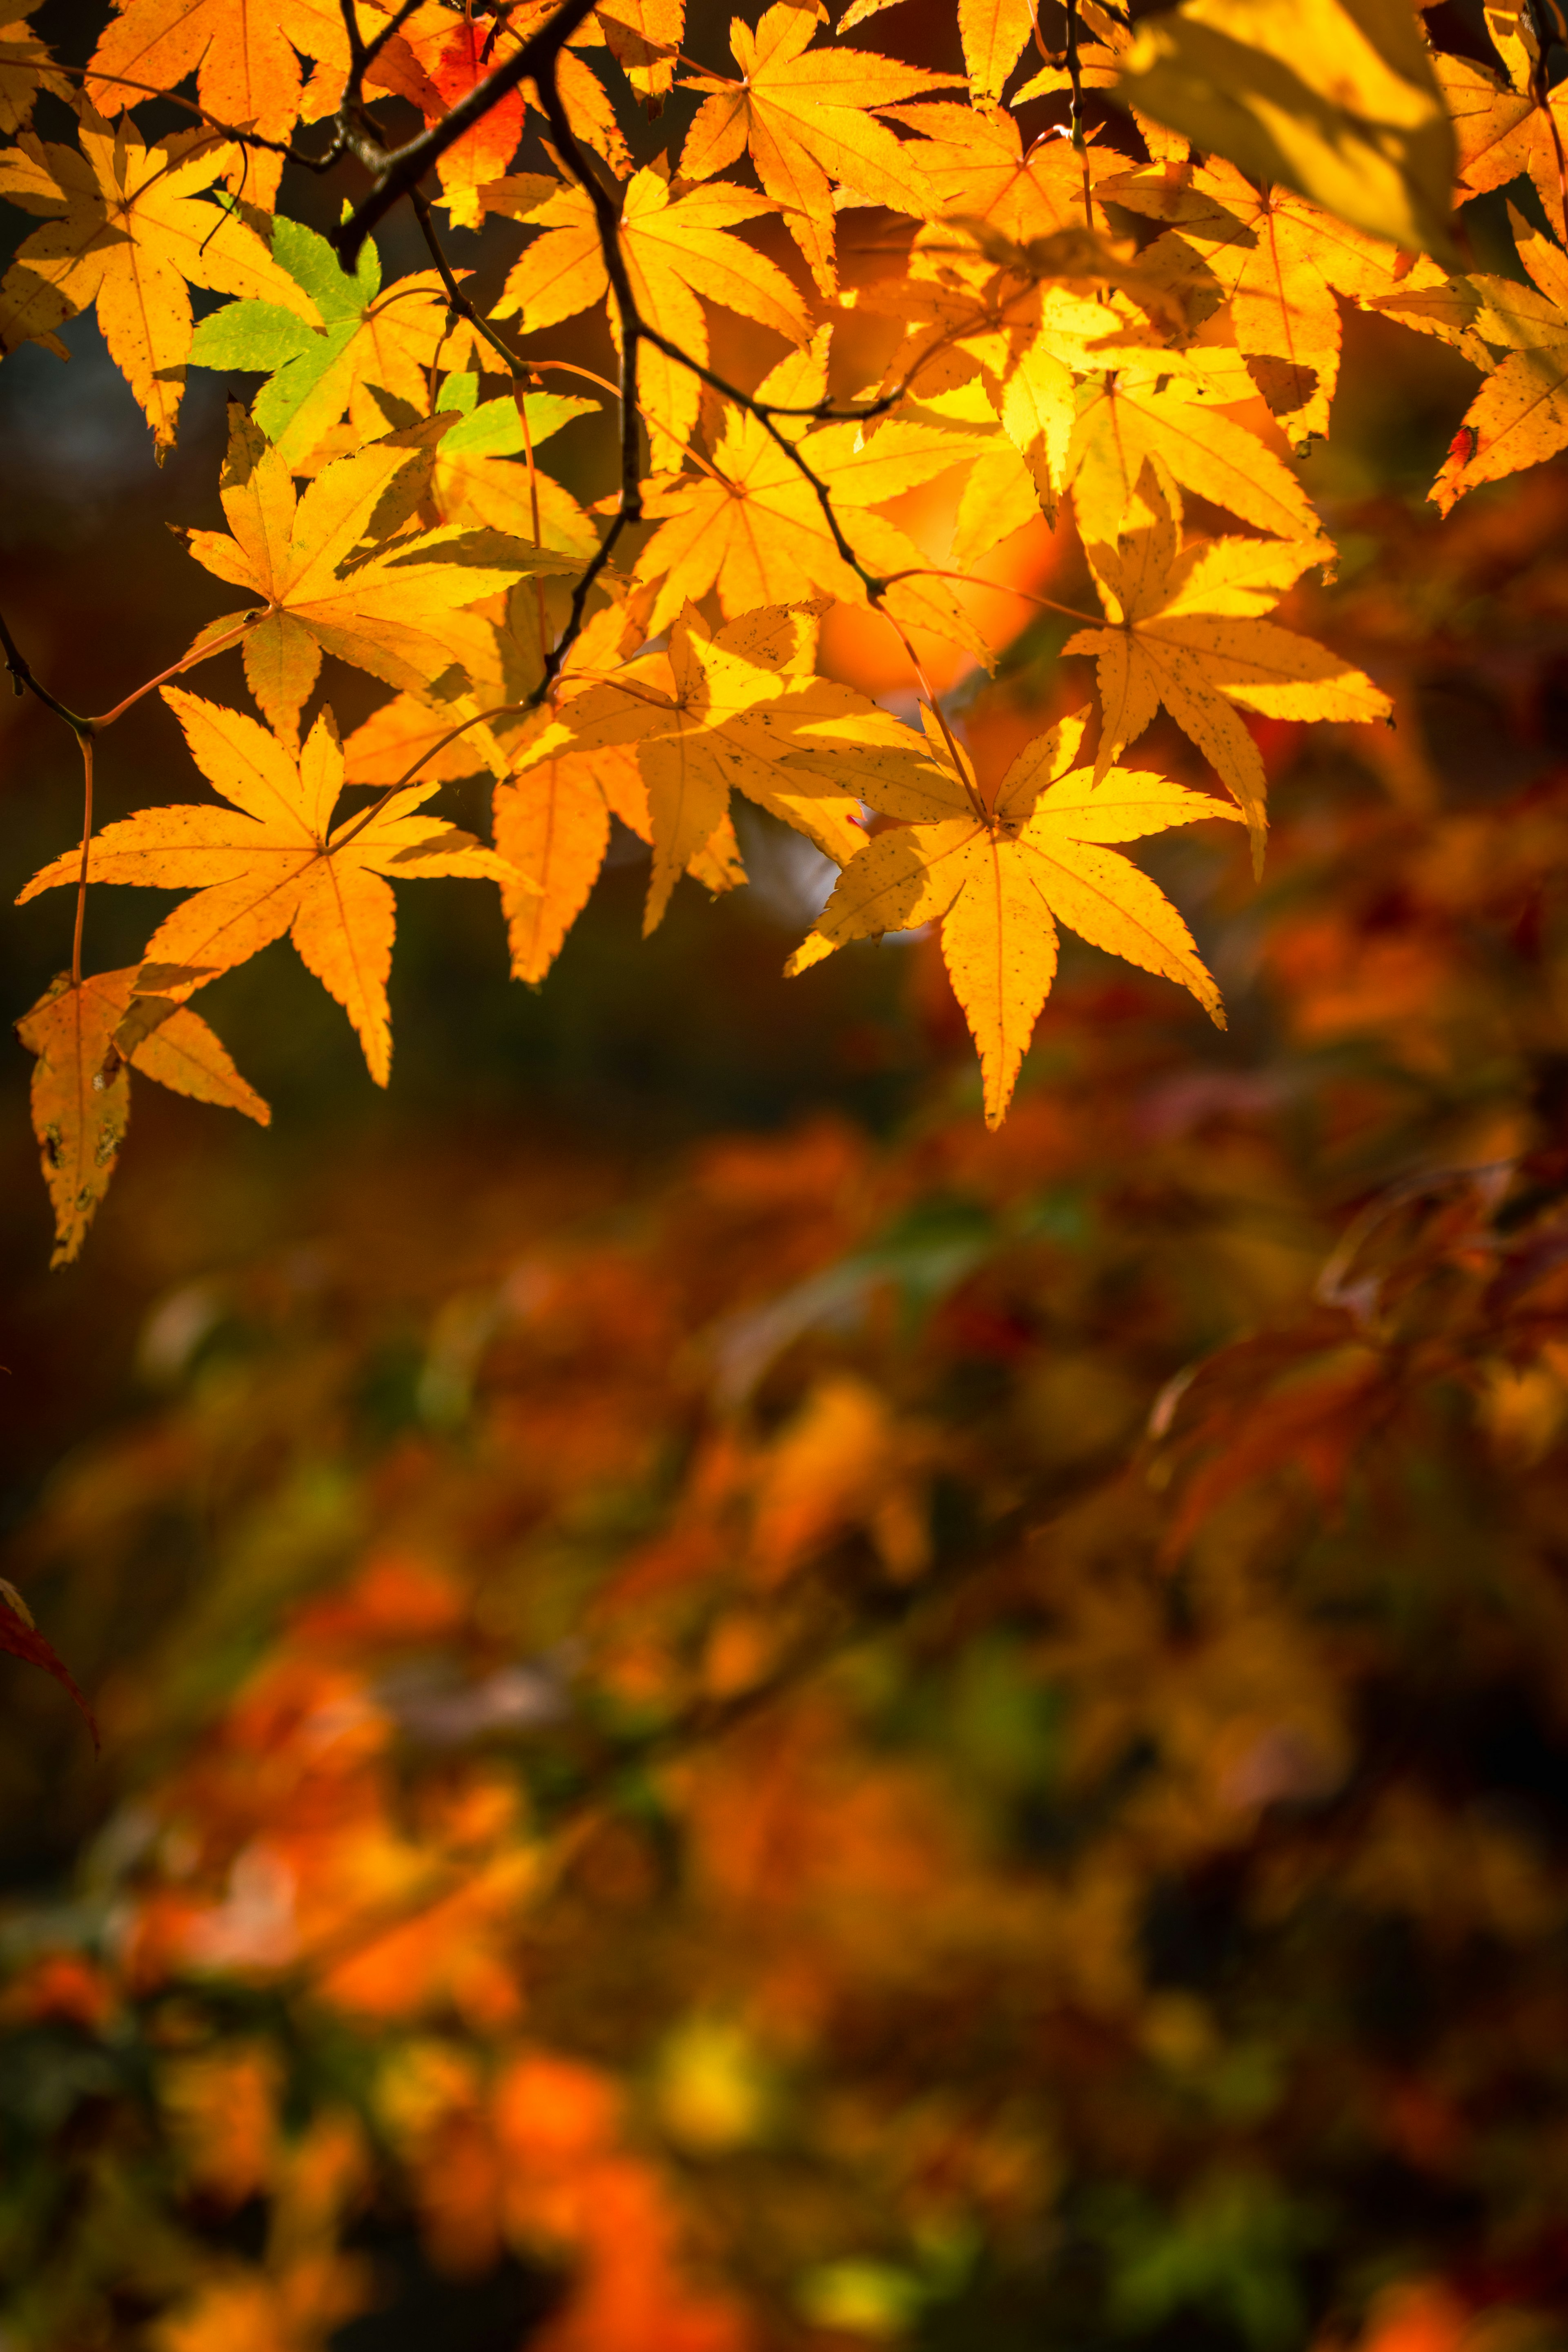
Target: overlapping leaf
point(1336, 99)
point(808, 117)
point(1188, 632)
point(999, 873)
point(679, 253)
point(344, 339)
point(1520, 416)
point(753, 528)
point(246, 57)
point(733, 711)
point(272, 862)
point(81, 1080)
point(397, 613)
point(437, 55)
point(1509, 123)
point(25, 68)
point(1276, 262)
point(127, 229)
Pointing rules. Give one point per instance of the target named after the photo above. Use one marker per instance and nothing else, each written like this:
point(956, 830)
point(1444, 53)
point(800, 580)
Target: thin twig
point(23, 681)
point(186, 661)
point(226, 130)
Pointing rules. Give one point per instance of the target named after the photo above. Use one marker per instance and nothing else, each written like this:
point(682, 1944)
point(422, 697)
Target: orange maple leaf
point(678, 254)
point(243, 54)
point(806, 115)
point(81, 1081)
point(126, 229)
point(396, 613)
point(272, 862)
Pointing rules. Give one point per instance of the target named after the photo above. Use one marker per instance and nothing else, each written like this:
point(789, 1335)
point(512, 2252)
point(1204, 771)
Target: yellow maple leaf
point(81, 1081)
point(477, 480)
point(554, 826)
point(644, 37)
point(1000, 874)
point(677, 256)
point(243, 54)
point(1519, 415)
point(127, 230)
point(1277, 263)
point(397, 614)
point(1336, 99)
point(25, 68)
point(993, 32)
point(1187, 633)
point(1169, 406)
point(272, 862)
point(977, 167)
point(753, 528)
point(806, 116)
point(731, 710)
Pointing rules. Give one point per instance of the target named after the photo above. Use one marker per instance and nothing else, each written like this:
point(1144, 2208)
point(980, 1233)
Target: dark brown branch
point(632, 332)
point(406, 166)
point(374, 48)
point(23, 682)
point(458, 301)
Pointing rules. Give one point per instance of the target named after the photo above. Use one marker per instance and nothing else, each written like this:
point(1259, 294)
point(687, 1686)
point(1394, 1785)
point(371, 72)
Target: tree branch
point(404, 167)
point(23, 682)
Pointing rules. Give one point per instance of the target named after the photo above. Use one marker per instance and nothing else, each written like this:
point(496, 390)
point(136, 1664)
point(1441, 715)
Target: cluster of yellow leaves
point(1068, 329)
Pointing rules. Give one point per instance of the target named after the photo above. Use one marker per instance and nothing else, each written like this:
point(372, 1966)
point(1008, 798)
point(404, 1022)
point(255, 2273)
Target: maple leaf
point(130, 233)
point(1188, 634)
point(475, 481)
point(272, 862)
point(677, 250)
point(1506, 124)
point(436, 56)
point(81, 1081)
point(344, 339)
point(753, 527)
point(1519, 415)
point(1150, 402)
point(644, 36)
point(552, 825)
point(806, 116)
point(732, 710)
point(993, 32)
point(1336, 99)
point(1277, 263)
point(396, 613)
point(1000, 874)
point(25, 68)
point(977, 169)
point(242, 53)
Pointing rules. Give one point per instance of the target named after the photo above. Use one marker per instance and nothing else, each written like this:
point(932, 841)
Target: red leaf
point(25, 1640)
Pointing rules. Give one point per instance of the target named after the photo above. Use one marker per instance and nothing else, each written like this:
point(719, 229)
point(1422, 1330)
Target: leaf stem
point(84, 740)
point(936, 571)
point(186, 661)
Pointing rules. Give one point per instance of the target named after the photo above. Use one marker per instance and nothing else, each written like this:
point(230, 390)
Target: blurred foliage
point(944, 1738)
